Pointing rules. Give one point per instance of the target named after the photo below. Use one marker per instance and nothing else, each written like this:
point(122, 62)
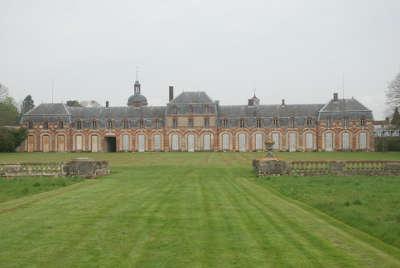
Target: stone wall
point(275, 167)
point(83, 167)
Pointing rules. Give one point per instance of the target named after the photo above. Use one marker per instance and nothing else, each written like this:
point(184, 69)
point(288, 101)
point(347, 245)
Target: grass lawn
point(196, 210)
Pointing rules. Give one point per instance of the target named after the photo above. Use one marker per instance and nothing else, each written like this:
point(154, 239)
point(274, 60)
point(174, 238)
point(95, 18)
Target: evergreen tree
point(27, 104)
point(396, 118)
point(73, 103)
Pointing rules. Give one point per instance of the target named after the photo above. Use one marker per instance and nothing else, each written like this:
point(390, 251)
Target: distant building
point(194, 122)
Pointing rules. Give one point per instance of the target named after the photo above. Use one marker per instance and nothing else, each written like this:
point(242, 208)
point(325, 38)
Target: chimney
point(335, 97)
point(283, 102)
point(171, 93)
point(107, 104)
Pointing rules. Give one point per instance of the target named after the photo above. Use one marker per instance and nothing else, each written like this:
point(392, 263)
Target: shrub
point(11, 138)
point(383, 144)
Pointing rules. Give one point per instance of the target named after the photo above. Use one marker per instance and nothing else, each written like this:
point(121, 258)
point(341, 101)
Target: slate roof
point(350, 108)
point(236, 111)
point(192, 97)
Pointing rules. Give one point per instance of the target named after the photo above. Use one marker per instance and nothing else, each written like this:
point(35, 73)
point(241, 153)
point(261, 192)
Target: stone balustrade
point(78, 167)
point(275, 167)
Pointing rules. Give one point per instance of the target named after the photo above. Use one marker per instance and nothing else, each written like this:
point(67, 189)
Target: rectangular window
point(362, 122)
point(125, 124)
point(174, 123)
point(309, 122)
point(225, 123)
point(94, 124)
point(241, 124)
point(258, 123)
point(291, 123)
point(206, 122)
point(30, 124)
point(109, 124)
point(141, 123)
point(60, 124)
point(157, 123)
point(79, 124)
point(46, 125)
point(275, 122)
point(190, 123)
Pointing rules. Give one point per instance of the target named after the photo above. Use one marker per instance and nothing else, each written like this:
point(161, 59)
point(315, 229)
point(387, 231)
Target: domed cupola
point(137, 99)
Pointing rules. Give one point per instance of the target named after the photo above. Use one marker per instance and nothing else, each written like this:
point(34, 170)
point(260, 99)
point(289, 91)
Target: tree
point(3, 92)
point(73, 103)
point(8, 112)
point(396, 118)
point(27, 104)
point(11, 138)
point(393, 93)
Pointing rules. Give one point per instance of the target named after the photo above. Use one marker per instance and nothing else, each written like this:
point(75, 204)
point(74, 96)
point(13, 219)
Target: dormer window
point(329, 122)
point(241, 123)
point(175, 110)
point(109, 124)
point(157, 123)
point(309, 122)
point(46, 125)
point(141, 123)
point(275, 122)
point(258, 123)
point(291, 122)
point(206, 108)
point(362, 122)
point(191, 109)
point(30, 124)
point(79, 124)
point(174, 123)
point(60, 124)
point(125, 124)
point(94, 124)
point(225, 123)
point(345, 122)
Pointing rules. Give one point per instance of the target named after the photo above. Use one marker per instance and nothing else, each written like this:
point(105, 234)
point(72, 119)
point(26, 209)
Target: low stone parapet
point(276, 167)
point(83, 167)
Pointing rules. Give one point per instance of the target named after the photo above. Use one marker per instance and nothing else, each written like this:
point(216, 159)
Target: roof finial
point(137, 73)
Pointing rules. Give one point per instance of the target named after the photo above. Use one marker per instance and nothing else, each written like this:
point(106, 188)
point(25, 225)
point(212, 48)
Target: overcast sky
point(296, 50)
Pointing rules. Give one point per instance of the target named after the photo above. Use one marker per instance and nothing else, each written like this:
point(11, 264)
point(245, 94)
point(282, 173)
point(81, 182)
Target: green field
point(200, 210)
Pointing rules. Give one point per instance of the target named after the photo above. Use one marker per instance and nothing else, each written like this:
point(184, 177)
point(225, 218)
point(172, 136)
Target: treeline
point(11, 135)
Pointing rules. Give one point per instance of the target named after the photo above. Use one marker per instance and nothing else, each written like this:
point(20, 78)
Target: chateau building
point(194, 122)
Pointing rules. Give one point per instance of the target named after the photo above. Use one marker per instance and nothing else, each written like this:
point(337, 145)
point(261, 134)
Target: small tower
point(136, 87)
point(254, 101)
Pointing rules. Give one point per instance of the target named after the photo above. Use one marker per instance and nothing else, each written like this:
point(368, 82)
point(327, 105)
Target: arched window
point(30, 124)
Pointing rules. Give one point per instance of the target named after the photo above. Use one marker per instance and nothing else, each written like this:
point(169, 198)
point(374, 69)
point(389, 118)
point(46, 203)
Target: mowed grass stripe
point(69, 218)
point(362, 253)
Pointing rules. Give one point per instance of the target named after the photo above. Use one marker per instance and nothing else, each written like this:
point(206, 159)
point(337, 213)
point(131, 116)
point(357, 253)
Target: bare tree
point(3, 92)
point(393, 93)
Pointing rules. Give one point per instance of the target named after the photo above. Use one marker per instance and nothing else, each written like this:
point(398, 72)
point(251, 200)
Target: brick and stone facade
point(193, 122)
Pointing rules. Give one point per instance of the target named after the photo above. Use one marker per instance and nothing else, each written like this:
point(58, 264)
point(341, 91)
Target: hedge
point(384, 144)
